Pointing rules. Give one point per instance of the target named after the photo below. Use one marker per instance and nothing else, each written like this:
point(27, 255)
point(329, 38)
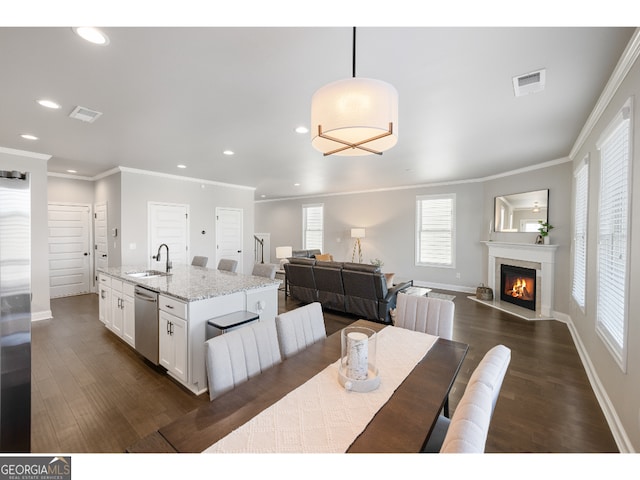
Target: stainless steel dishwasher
point(146, 309)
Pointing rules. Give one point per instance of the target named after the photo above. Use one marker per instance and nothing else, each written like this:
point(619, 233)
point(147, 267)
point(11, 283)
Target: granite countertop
point(190, 284)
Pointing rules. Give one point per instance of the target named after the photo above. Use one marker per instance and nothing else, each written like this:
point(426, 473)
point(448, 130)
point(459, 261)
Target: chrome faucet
point(157, 257)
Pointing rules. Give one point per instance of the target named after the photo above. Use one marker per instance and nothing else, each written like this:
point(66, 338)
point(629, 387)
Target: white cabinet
point(116, 308)
point(104, 300)
point(172, 332)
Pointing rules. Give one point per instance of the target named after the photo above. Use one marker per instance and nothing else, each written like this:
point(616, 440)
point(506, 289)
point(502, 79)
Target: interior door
point(69, 249)
point(169, 224)
point(100, 228)
point(229, 235)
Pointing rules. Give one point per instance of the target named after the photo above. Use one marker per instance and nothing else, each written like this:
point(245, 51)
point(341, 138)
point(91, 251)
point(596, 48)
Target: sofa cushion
point(302, 261)
point(361, 267)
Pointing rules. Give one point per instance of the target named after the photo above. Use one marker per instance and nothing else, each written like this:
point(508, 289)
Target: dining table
point(401, 425)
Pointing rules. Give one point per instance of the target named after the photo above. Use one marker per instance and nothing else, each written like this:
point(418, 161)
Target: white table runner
point(320, 416)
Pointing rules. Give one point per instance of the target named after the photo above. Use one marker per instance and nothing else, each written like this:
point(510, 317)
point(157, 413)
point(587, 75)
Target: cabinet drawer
point(173, 306)
point(104, 279)
point(128, 289)
point(116, 285)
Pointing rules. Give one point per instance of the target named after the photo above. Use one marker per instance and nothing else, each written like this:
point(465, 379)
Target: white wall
point(108, 190)
point(70, 190)
point(622, 388)
point(140, 188)
point(36, 165)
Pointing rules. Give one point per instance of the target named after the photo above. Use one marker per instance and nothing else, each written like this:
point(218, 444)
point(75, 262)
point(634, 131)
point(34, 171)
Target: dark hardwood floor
point(92, 393)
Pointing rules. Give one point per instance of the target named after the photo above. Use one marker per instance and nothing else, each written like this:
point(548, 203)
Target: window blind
point(581, 178)
point(313, 225)
point(435, 240)
point(613, 235)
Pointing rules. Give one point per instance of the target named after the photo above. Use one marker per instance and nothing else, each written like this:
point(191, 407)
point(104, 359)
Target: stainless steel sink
point(148, 274)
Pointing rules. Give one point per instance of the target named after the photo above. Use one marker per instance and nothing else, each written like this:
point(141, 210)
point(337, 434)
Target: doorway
point(229, 235)
point(169, 224)
point(69, 249)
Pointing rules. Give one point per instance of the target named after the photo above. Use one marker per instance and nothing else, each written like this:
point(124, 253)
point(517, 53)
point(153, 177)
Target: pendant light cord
point(354, 52)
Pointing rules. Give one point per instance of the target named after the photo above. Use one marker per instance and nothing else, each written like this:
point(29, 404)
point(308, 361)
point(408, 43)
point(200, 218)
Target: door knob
point(85, 254)
point(104, 255)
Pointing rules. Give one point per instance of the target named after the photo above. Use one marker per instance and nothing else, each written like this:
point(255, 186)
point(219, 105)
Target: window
point(613, 239)
point(435, 230)
point(581, 203)
point(312, 226)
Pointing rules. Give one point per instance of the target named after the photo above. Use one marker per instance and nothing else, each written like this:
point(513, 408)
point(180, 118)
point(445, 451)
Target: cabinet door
point(166, 344)
point(116, 312)
point(128, 320)
point(173, 345)
point(179, 336)
point(104, 305)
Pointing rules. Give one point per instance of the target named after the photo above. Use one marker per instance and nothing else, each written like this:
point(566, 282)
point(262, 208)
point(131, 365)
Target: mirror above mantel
point(521, 212)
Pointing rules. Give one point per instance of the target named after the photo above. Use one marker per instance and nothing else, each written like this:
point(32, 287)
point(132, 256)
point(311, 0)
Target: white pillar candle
point(357, 355)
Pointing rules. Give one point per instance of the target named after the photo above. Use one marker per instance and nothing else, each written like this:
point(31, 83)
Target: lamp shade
point(284, 252)
point(355, 116)
point(357, 233)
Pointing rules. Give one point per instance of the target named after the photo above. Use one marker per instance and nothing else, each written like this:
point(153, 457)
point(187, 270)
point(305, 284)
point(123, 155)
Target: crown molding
point(24, 153)
point(186, 179)
point(627, 60)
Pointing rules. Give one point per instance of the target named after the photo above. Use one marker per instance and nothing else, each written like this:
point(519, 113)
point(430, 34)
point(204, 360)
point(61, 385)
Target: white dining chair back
point(228, 265)
point(236, 356)
point(424, 314)
point(267, 270)
point(299, 328)
point(467, 430)
point(199, 261)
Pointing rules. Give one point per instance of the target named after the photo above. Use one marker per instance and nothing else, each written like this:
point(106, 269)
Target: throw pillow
point(324, 257)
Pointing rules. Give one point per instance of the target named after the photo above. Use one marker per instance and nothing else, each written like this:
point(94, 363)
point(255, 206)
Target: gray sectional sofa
point(355, 288)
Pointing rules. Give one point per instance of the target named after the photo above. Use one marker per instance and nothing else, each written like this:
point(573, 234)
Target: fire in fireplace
point(518, 286)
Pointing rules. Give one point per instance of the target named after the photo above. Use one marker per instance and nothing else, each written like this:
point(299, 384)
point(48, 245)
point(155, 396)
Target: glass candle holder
point(358, 370)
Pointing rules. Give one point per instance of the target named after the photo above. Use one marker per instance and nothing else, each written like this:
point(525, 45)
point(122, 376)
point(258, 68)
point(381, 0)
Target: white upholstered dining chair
point(467, 430)
point(299, 328)
point(238, 355)
point(423, 314)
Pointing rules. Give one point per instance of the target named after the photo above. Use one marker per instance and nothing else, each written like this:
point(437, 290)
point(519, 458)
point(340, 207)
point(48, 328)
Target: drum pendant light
point(355, 116)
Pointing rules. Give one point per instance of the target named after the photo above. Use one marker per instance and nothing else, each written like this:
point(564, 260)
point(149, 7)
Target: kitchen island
point(187, 298)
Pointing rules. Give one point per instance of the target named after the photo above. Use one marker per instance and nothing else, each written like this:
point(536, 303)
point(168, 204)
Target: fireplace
point(518, 286)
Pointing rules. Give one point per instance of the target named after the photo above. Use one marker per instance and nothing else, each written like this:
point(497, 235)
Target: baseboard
point(617, 429)
point(444, 286)
point(42, 315)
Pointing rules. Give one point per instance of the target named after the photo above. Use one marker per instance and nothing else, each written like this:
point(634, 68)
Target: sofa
point(354, 288)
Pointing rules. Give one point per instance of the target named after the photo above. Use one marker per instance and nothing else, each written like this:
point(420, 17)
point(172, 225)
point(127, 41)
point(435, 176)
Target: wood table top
point(402, 425)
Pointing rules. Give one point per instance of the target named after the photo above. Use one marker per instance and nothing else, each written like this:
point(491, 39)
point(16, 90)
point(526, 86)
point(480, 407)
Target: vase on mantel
point(546, 240)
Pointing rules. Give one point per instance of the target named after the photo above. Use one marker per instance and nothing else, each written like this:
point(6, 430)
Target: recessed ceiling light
point(92, 34)
point(28, 136)
point(228, 152)
point(302, 130)
point(48, 103)
point(72, 171)
point(262, 196)
point(181, 166)
point(296, 184)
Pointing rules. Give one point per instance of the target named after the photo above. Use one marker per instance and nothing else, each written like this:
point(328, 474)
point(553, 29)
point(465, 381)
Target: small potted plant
point(544, 229)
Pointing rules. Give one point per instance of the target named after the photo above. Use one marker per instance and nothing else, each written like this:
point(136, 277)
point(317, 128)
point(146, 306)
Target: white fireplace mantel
point(527, 252)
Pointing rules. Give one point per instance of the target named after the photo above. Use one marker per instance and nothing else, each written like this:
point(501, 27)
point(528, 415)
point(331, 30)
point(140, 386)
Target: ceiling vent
point(85, 114)
point(532, 82)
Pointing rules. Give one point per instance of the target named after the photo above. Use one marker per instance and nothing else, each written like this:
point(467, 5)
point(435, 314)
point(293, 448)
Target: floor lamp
point(357, 233)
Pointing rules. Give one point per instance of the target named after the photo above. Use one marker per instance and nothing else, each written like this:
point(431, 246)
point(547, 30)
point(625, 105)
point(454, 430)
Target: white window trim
point(619, 354)
point(583, 166)
point(304, 225)
point(419, 199)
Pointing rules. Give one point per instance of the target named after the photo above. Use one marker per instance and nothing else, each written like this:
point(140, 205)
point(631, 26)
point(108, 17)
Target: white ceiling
point(175, 95)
